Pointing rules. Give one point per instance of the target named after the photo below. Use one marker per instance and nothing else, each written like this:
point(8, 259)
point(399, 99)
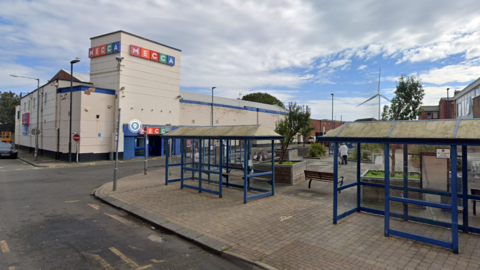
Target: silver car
point(8, 150)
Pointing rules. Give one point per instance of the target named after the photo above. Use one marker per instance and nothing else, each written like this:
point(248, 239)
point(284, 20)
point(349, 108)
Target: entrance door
point(154, 146)
point(140, 146)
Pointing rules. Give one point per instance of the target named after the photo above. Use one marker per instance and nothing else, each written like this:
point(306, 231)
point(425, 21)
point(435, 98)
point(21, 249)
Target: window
point(459, 109)
point(34, 103)
point(25, 106)
point(429, 115)
point(18, 115)
point(435, 115)
point(29, 104)
point(46, 98)
point(477, 92)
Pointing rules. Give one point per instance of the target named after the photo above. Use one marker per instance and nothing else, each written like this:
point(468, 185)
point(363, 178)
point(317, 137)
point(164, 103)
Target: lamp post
point(38, 111)
point(70, 129)
point(448, 115)
point(333, 127)
point(212, 104)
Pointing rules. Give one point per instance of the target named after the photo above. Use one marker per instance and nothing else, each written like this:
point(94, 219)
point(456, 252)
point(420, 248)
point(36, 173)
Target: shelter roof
point(461, 131)
point(254, 132)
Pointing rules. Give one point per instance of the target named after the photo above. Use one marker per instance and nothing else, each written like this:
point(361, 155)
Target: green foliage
point(365, 156)
point(8, 101)
point(374, 173)
point(263, 98)
point(306, 130)
point(295, 119)
point(408, 98)
point(317, 150)
point(287, 162)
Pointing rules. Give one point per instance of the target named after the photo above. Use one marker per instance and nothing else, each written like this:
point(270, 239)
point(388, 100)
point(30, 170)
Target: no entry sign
point(76, 137)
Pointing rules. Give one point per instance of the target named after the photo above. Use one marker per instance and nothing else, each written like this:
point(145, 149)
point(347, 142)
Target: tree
point(295, 119)
point(263, 98)
point(8, 101)
point(405, 105)
point(408, 98)
point(306, 130)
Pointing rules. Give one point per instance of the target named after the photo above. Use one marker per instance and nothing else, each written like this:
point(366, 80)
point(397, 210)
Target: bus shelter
point(454, 135)
point(213, 157)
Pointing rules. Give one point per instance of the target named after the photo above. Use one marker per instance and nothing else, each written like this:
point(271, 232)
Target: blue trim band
point(83, 88)
point(245, 108)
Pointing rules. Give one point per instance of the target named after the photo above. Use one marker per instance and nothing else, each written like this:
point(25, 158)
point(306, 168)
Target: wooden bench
point(321, 176)
point(475, 192)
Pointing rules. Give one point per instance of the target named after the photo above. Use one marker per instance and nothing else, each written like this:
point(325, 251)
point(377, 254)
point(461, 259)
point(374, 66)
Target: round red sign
point(76, 137)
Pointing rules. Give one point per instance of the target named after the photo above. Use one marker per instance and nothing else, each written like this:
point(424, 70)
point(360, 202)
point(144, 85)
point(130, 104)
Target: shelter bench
point(321, 176)
point(237, 165)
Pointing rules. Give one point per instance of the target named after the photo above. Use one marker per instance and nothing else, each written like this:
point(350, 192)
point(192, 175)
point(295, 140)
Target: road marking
point(72, 201)
point(122, 220)
point(157, 261)
point(282, 218)
point(4, 246)
point(94, 206)
point(132, 247)
point(128, 261)
point(104, 263)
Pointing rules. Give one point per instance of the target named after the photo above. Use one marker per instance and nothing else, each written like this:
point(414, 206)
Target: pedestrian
point(254, 158)
point(261, 155)
point(344, 153)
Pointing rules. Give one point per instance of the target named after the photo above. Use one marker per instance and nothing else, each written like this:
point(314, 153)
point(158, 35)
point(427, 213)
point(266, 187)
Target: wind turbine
point(379, 95)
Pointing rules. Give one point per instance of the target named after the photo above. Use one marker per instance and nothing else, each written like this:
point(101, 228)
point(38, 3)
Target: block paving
point(291, 232)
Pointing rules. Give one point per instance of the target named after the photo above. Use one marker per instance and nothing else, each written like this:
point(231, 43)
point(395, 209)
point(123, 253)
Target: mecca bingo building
point(142, 78)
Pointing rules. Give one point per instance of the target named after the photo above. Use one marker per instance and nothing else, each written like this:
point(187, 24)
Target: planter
point(285, 174)
point(377, 194)
point(291, 154)
point(302, 151)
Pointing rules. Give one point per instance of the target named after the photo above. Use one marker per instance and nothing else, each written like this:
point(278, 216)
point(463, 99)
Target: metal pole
point(212, 104)
point(38, 117)
point(359, 156)
point(116, 152)
point(332, 113)
point(77, 154)
point(145, 145)
point(454, 194)
point(405, 181)
point(448, 115)
point(335, 181)
point(386, 153)
point(464, 182)
point(70, 129)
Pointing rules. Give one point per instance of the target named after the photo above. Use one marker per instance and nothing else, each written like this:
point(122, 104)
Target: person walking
point(344, 153)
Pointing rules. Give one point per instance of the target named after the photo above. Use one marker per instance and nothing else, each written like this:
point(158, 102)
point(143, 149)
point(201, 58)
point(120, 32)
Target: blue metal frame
point(453, 207)
point(242, 149)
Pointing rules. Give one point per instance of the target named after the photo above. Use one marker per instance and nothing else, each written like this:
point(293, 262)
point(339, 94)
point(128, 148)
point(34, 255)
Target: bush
point(366, 155)
point(317, 150)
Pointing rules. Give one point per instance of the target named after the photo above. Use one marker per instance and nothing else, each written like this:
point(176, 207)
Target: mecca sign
point(443, 153)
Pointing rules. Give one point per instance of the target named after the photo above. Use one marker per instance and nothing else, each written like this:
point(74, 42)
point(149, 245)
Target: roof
point(255, 132)
point(430, 108)
point(461, 131)
point(365, 119)
point(79, 76)
point(121, 31)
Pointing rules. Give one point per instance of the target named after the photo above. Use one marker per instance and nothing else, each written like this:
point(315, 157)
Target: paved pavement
point(291, 230)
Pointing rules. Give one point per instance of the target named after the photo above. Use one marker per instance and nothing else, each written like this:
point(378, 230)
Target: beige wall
point(151, 88)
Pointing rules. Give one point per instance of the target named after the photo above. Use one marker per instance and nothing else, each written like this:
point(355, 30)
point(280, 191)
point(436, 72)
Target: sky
point(297, 51)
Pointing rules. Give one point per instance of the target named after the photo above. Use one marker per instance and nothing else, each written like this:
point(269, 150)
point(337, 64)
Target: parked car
point(312, 140)
point(8, 150)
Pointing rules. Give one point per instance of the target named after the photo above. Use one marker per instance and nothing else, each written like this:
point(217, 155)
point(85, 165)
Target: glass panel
point(435, 115)
point(139, 142)
point(140, 152)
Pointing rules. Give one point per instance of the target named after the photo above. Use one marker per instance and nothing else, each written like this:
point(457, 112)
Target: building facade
point(141, 78)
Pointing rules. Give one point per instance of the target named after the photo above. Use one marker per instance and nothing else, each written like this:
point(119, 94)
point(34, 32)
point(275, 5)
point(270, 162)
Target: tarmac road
point(49, 220)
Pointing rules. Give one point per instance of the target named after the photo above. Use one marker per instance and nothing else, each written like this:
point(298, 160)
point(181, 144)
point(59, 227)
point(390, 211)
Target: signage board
point(443, 153)
point(155, 130)
point(106, 49)
point(152, 55)
point(76, 137)
point(26, 119)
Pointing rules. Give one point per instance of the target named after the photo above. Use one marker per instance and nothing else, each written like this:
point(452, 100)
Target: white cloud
point(362, 67)
point(462, 73)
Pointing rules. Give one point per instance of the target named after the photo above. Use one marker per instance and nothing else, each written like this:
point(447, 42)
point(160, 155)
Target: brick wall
point(476, 107)
point(320, 124)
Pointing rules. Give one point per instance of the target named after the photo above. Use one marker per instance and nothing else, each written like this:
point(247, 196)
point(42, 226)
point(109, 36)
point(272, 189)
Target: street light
point(333, 127)
point(212, 104)
point(38, 111)
point(448, 115)
point(71, 89)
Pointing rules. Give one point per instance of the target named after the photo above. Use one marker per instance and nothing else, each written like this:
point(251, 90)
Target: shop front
point(135, 144)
